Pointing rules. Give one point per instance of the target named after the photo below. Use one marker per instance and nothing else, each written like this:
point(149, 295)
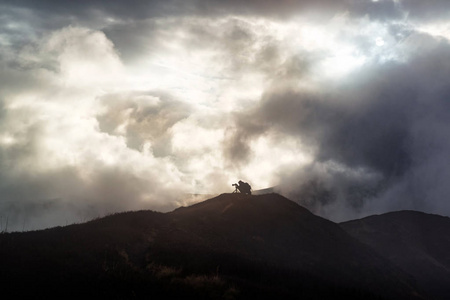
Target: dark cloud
point(136, 9)
point(144, 9)
point(89, 9)
point(65, 12)
point(134, 39)
point(330, 190)
point(237, 149)
point(368, 125)
point(433, 10)
point(387, 10)
point(379, 10)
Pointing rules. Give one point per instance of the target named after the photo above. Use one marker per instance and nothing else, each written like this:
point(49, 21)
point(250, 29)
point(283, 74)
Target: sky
point(109, 106)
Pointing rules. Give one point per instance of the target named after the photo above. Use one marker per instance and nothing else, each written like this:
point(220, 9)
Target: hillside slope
point(233, 246)
point(273, 231)
point(417, 242)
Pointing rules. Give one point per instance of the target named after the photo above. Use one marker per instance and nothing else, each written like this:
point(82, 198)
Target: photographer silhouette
point(242, 187)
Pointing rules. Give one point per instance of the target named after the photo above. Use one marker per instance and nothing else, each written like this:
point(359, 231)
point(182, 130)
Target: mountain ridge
point(233, 246)
point(417, 242)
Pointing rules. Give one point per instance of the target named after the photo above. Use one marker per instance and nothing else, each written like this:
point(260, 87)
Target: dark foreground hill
point(416, 242)
point(233, 246)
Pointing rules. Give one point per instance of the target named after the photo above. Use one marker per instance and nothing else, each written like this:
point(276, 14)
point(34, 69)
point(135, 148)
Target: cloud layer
point(116, 105)
point(383, 135)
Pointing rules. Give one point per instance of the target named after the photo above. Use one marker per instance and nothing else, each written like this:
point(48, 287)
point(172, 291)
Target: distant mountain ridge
point(233, 246)
point(417, 242)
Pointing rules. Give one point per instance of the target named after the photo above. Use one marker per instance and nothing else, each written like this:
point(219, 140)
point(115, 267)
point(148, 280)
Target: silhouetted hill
point(233, 246)
point(417, 242)
point(273, 231)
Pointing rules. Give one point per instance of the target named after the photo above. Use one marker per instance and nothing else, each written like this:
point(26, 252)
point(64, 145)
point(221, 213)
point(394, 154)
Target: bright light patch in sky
point(7, 140)
point(379, 41)
point(341, 64)
point(438, 29)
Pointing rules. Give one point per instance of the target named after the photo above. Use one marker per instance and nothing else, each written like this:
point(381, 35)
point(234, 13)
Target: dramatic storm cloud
point(378, 140)
point(105, 106)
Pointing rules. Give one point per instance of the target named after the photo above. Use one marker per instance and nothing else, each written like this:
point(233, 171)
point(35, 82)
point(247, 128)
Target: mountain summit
point(233, 246)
